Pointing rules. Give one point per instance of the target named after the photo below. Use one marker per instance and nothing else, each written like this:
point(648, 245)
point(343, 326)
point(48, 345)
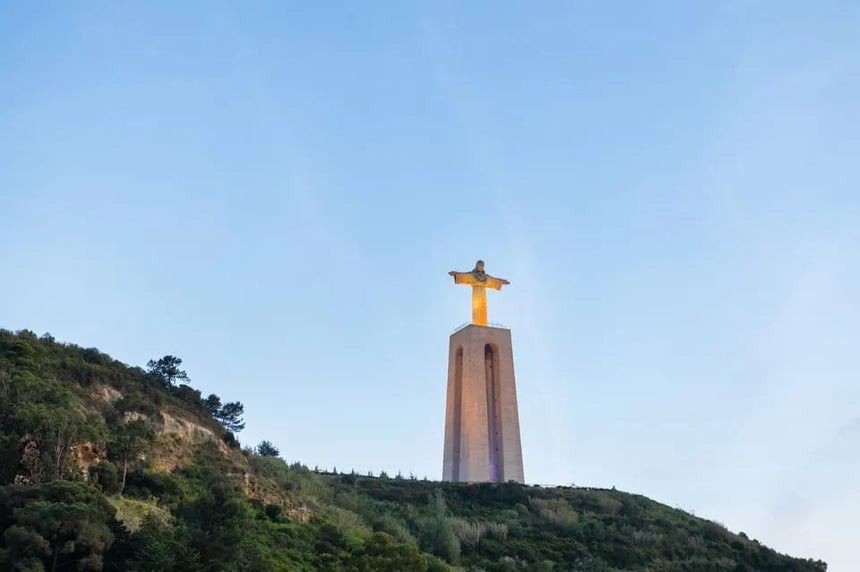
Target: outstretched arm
point(496, 283)
point(461, 277)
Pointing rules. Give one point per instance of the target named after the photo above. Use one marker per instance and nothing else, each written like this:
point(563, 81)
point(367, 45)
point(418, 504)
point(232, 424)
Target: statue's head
point(479, 266)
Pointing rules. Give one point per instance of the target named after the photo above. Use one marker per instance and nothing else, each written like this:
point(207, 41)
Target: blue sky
point(275, 192)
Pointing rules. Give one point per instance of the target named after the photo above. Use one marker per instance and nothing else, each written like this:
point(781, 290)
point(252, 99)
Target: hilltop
point(104, 466)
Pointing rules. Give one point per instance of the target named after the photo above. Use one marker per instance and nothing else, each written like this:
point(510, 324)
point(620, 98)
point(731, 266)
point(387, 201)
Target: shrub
point(137, 403)
point(382, 553)
point(609, 505)
point(267, 449)
point(106, 476)
point(437, 531)
point(353, 527)
point(395, 527)
point(143, 484)
point(471, 533)
point(497, 530)
point(438, 537)
point(275, 513)
point(230, 440)
point(645, 537)
point(436, 565)
point(556, 511)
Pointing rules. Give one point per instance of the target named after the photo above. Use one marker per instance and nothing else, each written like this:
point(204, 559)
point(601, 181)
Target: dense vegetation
point(110, 467)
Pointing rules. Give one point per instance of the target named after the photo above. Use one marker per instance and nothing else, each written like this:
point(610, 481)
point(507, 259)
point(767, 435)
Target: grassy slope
point(298, 519)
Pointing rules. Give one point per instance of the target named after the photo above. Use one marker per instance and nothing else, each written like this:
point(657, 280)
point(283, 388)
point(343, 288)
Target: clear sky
point(275, 193)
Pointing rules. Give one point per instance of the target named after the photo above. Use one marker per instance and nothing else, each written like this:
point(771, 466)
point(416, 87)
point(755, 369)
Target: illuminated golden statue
point(479, 281)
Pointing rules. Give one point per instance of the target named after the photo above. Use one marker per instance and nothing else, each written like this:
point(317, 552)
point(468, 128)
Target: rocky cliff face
point(178, 436)
point(179, 440)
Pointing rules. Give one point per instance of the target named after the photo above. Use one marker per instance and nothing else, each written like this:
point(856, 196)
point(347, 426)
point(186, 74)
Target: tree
point(129, 440)
point(217, 521)
point(212, 404)
point(167, 370)
point(106, 476)
point(230, 416)
point(56, 526)
point(267, 449)
point(437, 534)
point(157, 546)
point(382, 554)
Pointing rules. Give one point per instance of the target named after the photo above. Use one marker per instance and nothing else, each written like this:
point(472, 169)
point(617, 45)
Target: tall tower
point(482, 427)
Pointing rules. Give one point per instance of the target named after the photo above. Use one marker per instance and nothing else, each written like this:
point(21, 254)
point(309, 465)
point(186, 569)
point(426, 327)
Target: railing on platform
point(460, 327)
point(491, 325)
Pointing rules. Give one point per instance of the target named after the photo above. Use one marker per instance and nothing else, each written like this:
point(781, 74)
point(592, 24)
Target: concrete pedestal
point(482, 427)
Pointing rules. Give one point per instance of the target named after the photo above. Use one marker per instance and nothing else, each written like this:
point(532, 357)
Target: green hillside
point(109, 467)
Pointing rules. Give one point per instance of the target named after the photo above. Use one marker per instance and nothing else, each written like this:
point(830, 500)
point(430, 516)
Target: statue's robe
point(479, 281)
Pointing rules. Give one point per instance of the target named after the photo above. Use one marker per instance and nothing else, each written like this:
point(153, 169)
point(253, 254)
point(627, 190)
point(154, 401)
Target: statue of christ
point(479, 281)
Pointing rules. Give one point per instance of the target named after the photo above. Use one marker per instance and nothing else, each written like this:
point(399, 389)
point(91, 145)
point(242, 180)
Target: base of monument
point(482, 428)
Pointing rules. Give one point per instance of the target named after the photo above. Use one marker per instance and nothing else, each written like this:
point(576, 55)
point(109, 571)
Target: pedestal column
point(482, 428)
